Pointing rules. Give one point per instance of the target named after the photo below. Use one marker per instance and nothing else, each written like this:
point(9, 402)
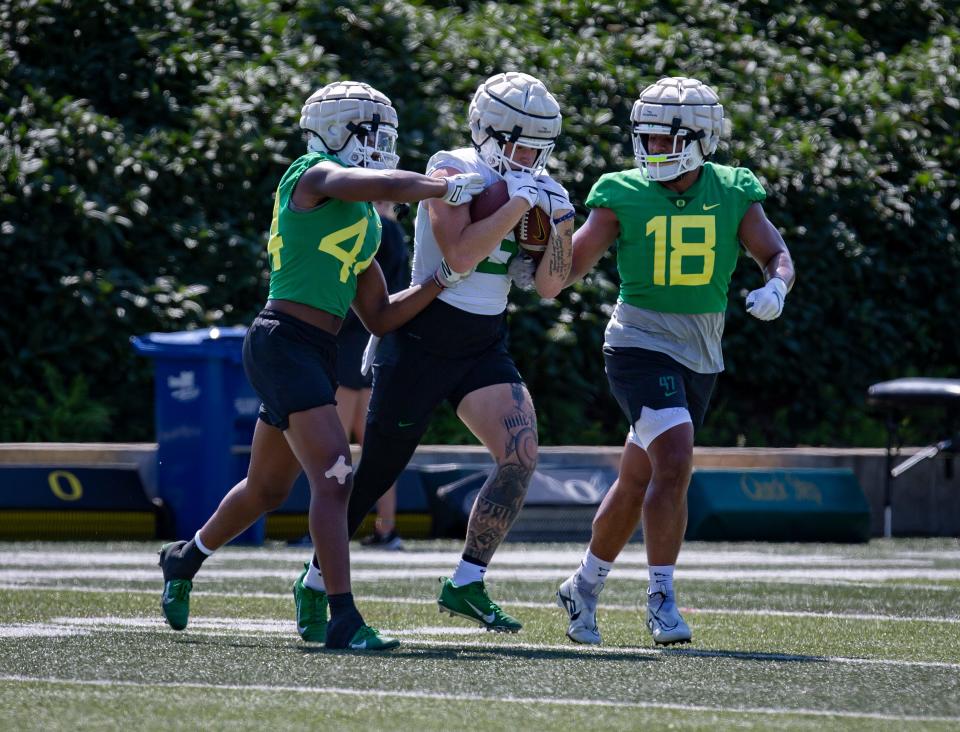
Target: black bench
point(899, 397)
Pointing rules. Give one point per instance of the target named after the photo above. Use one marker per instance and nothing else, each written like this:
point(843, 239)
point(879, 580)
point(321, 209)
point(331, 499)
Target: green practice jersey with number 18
point(316, 255)
point(677, 251)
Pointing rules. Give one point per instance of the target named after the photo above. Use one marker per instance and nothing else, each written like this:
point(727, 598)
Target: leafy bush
point(141, 142)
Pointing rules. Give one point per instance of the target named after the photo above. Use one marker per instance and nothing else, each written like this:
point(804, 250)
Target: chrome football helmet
point(353, 121)
point(514, 109)
point(684, 109)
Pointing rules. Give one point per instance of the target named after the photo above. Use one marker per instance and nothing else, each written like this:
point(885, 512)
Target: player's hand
point(462, 187)
point(522, 185)
point(552, 197)
point(522, 270)
point(369, 353)
point(767, 302)
point(446, 277)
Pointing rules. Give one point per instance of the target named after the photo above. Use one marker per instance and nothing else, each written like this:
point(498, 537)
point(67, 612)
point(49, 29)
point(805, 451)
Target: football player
point(678, 222)
point(323, 238)
point(456, 349)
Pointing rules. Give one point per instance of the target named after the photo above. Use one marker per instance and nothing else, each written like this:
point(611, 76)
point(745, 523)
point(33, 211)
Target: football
point(532, 231)
point(488, 200)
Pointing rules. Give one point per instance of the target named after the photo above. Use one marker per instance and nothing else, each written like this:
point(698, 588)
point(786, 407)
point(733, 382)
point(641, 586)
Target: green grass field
point(786, 636)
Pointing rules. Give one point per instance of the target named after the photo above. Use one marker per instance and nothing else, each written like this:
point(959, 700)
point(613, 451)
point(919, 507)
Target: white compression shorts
point(654, 422)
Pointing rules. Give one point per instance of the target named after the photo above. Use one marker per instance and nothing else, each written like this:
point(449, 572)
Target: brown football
point(488, 200)
point(532, 231)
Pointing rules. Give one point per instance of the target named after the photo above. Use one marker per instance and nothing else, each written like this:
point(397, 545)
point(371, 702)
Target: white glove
point(522, 185)
point(366, 363)
point(446, 277)
point(522, 270)
point(552, 197)
point(767, 302)
point(462, 187)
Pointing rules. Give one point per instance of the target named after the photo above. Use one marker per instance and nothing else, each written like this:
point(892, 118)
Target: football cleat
point(473, 603)
point(175, 601)
point(311, 610)
point(581, 607)
point(663, 619)
point(369, 639)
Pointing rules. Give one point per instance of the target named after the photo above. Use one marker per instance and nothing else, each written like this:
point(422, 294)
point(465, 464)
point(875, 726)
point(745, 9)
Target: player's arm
point(380, 312)
point(463, 243)
point(764, 243)
point(328, 180)
point(554, 268)
point(591, 240)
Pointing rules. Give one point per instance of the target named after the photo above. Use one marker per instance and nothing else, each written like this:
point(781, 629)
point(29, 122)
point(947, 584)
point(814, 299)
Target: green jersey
point(677, 251)
point(316, 255)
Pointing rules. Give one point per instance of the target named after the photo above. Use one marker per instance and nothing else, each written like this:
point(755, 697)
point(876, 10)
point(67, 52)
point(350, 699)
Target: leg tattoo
point(501, 497)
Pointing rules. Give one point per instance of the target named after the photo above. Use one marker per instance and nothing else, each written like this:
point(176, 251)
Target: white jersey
point(482, 293)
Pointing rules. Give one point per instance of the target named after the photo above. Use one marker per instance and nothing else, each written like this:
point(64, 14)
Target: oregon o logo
point(65, 485)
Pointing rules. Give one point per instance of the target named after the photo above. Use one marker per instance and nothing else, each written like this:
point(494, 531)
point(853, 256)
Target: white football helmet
point(517, 109)
point(685, 109)
point(353, 121)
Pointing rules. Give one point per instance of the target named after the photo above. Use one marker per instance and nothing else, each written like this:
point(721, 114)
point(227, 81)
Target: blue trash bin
point(205, 415)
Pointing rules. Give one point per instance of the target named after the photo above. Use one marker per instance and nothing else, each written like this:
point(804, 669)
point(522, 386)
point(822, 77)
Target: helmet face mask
point(685, 110)
point(353, 121)
point(512, 112)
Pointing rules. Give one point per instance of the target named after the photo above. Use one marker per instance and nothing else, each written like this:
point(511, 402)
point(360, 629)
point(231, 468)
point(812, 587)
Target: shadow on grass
point(476, 653)
point(743, 655)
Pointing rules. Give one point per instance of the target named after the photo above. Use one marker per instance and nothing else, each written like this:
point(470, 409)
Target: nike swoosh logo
point(711, 206)
point(486, 618)
point(401, 423)
point(301, 629)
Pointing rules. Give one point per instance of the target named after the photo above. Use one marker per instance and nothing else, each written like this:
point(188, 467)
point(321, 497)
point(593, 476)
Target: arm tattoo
point(501, 497)
point(561, 256)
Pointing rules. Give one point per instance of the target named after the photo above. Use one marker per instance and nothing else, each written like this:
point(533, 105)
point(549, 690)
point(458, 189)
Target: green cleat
point(473, 603)
point(175, 601)
point(369, 639)
point(311, 610)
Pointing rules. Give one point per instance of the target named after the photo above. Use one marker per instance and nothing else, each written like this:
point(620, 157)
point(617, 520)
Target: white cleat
point(581, 607)
point(664, 620)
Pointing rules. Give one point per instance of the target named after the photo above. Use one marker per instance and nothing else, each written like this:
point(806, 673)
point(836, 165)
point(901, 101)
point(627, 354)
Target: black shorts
point(640, 378)
point(291, 365)
point(350, 345)
point(443, 353)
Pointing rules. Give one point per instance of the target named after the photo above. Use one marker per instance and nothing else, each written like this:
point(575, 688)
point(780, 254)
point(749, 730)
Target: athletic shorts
point(291, 365)
point(442, 354)
point(350, 345)
point(640, 378)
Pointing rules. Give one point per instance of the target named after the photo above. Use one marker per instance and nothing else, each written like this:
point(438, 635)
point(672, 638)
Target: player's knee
point(336, 478)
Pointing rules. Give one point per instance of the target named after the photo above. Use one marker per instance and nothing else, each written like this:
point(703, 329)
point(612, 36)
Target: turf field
point(785, 636)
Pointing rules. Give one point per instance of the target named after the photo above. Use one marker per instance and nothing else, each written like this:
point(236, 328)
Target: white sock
point(314, 580)
point(593, 570)
point(662, 576)
point(467, 572)
point(200, 544)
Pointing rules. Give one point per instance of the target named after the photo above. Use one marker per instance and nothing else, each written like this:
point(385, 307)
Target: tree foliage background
point(141, 141)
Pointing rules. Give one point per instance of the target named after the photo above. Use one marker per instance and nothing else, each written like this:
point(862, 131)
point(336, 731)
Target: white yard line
point(759, 612)
point(823, 575)
point(524, 701)
point(505, 557)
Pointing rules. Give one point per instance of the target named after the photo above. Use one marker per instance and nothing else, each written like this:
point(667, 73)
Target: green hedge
point(141, 142)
